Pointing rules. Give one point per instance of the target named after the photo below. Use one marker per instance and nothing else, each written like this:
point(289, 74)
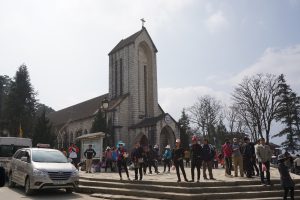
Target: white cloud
point(276, 61)
point(209, 7)
point(70, 39)
point(216, 22)
point(173, 100)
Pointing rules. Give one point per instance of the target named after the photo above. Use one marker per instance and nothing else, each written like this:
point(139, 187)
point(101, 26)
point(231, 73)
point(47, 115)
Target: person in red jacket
point(122, 160)
point(73, 154)
point(227, 152)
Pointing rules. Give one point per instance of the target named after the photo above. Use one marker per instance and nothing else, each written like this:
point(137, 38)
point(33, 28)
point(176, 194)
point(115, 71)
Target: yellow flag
point(20, 131)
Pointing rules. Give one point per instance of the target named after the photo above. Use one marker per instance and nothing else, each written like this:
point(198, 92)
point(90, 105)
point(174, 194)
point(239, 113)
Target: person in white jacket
point(264, 155)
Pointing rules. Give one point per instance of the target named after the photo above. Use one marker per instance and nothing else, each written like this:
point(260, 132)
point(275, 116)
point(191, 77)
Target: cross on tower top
point(143, 22)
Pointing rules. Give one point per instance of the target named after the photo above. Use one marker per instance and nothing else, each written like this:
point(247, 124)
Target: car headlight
point(37, 172)
point(75, 173)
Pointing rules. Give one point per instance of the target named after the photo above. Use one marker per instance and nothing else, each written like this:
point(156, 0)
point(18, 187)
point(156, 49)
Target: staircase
point(151, 190)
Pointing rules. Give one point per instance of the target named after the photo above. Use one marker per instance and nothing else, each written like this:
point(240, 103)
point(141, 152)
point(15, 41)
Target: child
point(285, 178)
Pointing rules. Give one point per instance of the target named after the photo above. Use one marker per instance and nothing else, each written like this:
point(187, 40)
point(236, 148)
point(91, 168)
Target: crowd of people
point(242, 157)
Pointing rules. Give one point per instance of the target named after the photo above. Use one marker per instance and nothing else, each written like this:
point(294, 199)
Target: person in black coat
point(177, 157)
point(208, 154)
point(196, 157)
point(285, 178)
point(152, 159)
point(138, 160)
point(247, 156)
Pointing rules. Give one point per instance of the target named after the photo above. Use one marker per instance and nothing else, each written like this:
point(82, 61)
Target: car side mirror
point(25, 159)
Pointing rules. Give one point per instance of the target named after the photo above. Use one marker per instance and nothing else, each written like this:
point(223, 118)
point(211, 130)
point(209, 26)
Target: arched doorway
point(144, 141)
point(167, 136)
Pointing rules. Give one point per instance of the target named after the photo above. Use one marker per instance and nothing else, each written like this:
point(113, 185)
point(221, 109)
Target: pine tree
point(43, 131)
point(288, 114)
point(20, 105)
point(184, 124)
point(5, 83)
point(221, 133)
point(40, 108)
point(99, 124)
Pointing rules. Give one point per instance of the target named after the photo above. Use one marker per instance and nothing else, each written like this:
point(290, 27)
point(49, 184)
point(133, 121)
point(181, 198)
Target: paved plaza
point(219, 175)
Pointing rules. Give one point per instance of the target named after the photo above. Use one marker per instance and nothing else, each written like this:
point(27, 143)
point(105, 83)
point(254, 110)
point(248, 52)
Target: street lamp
point(104, 105)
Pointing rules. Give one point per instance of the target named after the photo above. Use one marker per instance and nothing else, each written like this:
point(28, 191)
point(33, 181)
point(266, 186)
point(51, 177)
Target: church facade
point(133, 107)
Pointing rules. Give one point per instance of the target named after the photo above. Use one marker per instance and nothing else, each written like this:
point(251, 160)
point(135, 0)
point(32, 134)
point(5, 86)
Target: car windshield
point(48, 156)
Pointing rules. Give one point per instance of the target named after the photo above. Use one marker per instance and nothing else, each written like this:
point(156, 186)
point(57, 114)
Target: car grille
point(55, 176)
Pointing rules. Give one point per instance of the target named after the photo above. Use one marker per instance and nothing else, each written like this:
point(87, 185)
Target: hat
point(120, 143)
point(156, 146)
point(281, 157)
point(168, 147)
point(177, 140)
point(194, 138)
point(108, 147)
point(235, 139)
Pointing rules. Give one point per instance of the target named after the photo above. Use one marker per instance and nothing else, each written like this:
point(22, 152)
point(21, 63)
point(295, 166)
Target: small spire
point(143, 22)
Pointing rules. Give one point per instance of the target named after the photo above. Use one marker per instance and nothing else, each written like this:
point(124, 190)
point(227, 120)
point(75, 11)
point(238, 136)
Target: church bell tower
point(133, 72)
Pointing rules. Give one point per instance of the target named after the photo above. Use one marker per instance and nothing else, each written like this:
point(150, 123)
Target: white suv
point(38, 168)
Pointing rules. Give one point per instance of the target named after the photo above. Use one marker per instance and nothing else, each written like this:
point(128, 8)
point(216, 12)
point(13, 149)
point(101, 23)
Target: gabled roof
point(130, 40)
point(91, 135)
point(79, 111)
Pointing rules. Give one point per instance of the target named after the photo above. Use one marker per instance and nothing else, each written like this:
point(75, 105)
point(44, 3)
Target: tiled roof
point(79, 111)
point(129, 40)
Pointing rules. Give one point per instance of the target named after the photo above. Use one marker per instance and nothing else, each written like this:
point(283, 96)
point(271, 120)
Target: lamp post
point(104, 106)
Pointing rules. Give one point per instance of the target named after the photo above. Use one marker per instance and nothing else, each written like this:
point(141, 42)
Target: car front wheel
point(28, 191)
point(11, 183)
point(69, 190)
point(2, 177)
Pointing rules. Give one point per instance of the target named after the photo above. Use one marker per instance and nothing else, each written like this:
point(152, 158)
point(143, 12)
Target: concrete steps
point(267, 198)
point(119, 197)
point(115, 189)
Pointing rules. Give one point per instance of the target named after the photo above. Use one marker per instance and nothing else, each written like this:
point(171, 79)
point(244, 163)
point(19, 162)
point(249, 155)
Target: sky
point(204, 46)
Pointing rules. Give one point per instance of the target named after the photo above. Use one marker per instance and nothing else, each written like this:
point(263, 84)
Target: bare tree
point(205, 113)
point(231, 116)
point(257, 100)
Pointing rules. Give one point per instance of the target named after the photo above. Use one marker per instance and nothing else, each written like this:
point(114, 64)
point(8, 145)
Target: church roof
point(79, 111)
point(130, 40)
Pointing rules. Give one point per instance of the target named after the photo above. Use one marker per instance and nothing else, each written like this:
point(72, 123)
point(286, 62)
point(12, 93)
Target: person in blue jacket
point(167, 156)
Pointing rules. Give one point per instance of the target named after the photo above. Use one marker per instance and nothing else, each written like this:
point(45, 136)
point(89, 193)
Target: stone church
point(133, 108)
